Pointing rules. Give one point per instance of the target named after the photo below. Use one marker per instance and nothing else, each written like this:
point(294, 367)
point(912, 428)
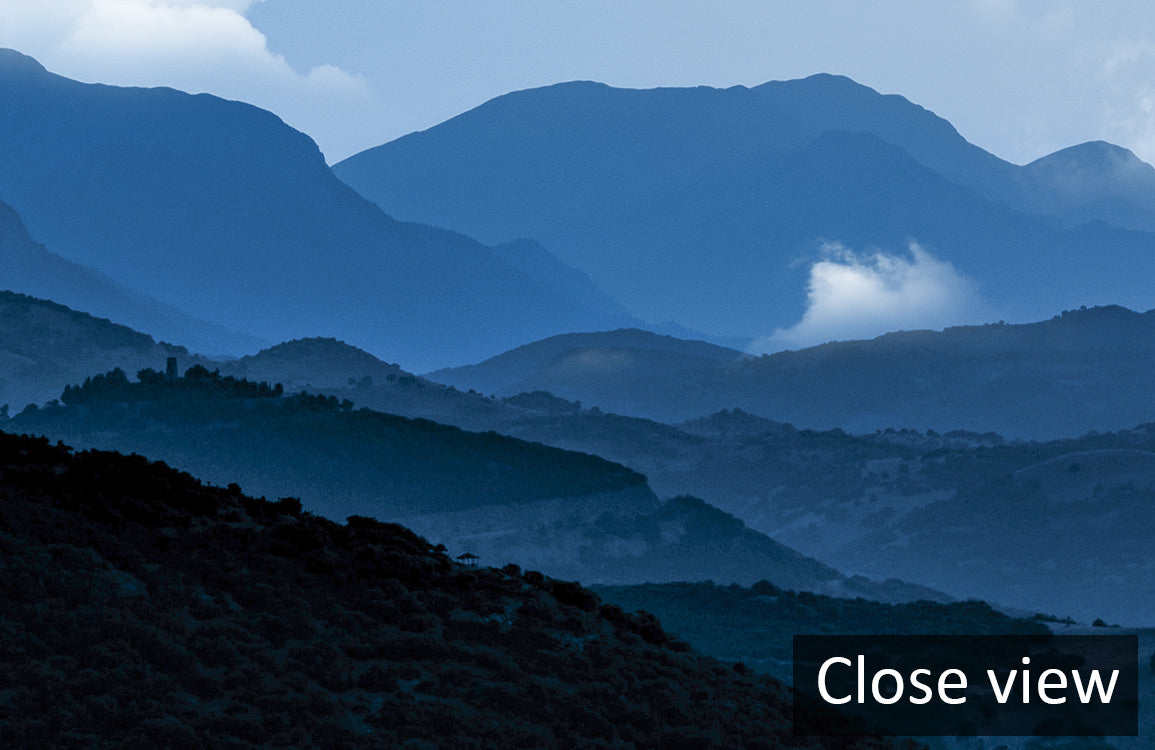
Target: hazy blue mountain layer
point(871, 505)
point(581, 362)
point(27, 267)
point(1079, 371)
point(709, 206)
point(539, 264)
point(566, 513)
point(45, 346)
point(222, 210)
point(939, 509)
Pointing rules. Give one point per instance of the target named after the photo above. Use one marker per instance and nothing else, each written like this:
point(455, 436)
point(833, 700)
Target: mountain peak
point(1093, 156)
point(13, 62)
point(314, 345)
point(1096, 181)
point(831, 81)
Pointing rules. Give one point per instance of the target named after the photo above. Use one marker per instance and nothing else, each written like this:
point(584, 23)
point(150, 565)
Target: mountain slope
point(539, 264)
point(145, 609)
point(758, 624)
point(1082, 370)
point(566, 513)
point(587, 363)
point(1094, 181)
point(340, 461)
point(45, 346)
point(222, 210)
point(1062, 526)
point(708, 206)
point(30, 268)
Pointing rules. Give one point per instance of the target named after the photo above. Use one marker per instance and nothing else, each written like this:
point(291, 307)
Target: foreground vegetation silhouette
point(146, 609)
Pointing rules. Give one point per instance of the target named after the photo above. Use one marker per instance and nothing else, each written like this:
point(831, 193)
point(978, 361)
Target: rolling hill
point(505, 499)
point(45, 346)
point(1082, 370)
point(587, 364)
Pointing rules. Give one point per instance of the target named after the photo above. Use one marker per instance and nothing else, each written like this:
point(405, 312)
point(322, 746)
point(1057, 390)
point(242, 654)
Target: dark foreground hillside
point(144, 609)
point(756, 625)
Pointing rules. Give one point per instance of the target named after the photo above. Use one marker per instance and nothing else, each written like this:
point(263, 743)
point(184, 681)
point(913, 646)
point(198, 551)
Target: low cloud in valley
point(855, 295)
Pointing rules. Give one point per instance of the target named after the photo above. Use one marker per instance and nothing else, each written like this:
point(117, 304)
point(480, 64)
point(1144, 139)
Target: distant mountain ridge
point(1083, 370)
point(30, 268)
point(565, 364)
point(708, 206)
point(1095, 181)
point(221, 209)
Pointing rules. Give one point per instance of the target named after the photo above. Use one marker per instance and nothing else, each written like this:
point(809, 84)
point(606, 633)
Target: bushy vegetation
point(144, 609)
point(198, 382)
point(755, 624)
point(341, 461)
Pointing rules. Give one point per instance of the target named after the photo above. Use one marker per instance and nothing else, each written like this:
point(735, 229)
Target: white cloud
point(193, 45)
point(854, 296)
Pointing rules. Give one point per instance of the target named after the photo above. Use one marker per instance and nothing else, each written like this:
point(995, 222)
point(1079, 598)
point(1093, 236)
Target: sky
point(1020, 78)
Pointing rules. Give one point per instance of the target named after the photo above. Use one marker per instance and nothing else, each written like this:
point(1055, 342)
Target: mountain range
point(221, 210)
point(711, 207)
point(528, 334)
point(870, 505)
point(699, 212)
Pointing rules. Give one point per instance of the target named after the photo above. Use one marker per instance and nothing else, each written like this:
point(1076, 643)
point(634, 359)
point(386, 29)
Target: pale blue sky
point(1020, 78)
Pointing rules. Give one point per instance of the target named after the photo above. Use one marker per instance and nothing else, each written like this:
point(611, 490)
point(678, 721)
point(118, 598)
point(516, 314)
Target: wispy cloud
point(855, 295)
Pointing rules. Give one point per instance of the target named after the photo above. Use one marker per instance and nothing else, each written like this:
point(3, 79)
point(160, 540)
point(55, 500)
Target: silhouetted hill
point(314, 364)
point(221, 209)
point(1082, 370)
point(567, 513)
point(144, 609)
point(30, 268)
point(587, 363)
point(340, 460)
point(45, 346)
point(707, 206)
